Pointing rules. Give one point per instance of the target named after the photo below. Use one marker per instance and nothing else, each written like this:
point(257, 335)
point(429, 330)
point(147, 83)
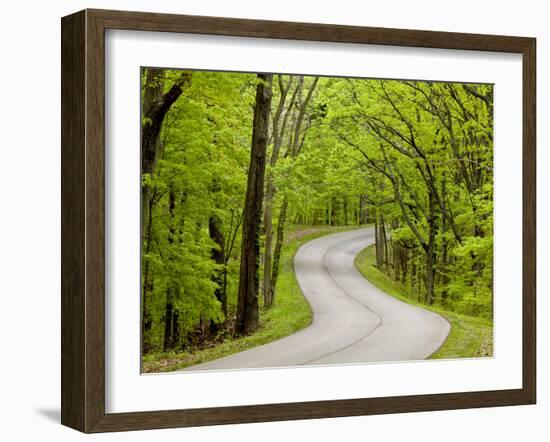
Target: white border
point(127, 390)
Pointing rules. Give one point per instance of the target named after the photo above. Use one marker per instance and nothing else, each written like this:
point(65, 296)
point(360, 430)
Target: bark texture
point(247, 305)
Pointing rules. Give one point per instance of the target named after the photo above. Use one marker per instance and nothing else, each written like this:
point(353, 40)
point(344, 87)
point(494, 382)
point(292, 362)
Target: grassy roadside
point(469, 337)
point(290, 312)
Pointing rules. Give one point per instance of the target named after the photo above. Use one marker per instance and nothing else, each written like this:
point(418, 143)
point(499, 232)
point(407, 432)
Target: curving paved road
point(353, 321)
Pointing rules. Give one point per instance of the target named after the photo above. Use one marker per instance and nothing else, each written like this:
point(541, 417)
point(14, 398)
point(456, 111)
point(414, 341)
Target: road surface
point(353, 321)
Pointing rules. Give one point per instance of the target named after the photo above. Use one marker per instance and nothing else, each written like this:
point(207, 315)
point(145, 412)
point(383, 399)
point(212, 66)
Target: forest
point(232, 163)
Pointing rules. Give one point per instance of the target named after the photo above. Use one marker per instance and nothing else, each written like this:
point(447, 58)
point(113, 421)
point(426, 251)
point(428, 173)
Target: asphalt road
point(353, 321)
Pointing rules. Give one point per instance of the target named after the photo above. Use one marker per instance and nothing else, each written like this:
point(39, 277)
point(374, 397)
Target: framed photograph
point(267, 221)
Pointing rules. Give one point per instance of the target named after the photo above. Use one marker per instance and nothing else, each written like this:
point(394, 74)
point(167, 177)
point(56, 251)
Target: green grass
point(290, 311)
point(469, 337)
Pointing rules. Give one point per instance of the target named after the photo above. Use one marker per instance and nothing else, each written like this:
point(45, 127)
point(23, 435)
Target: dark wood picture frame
point(83, 220)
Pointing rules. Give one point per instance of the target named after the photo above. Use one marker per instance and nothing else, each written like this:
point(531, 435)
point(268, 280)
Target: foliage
point(205, 134)
point(426, 151)
point(413, 158)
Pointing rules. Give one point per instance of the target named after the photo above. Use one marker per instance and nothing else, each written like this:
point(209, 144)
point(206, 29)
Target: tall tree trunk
point(268, 223)
point(247, 305)
point(384, 239)
point(218, 255)
point(396, 252)
point(171, 315)
point(377, 243)
point(278, 247)
point(413, 284)
point(171, 321)
point(430, 277)
point(404, 257)
point(430, 252)
point(146, 319)
point(268, 227)
point(444, 253)
point(380, 241)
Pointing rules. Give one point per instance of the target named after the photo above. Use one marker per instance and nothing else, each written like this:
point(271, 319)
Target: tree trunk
point(377, 243)
point(397, 256)
point(247, 305)
point(218, 255)
point(384, 241)
point(171, 315)
point(171, 321)
point(278, 247)
point(153, 117)
point(268, 223)
point(430, 252)
point(380, 241)
point(430, 277)
point(444, 257)
point(414, 273)
point(404, 264)
point(146, 319)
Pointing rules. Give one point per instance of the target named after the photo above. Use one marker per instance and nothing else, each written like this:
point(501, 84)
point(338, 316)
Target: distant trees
point(230, 160)
point(429, 149)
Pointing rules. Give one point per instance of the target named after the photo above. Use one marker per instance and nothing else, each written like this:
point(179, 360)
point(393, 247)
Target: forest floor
point(289, 314)
point(470, 337)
